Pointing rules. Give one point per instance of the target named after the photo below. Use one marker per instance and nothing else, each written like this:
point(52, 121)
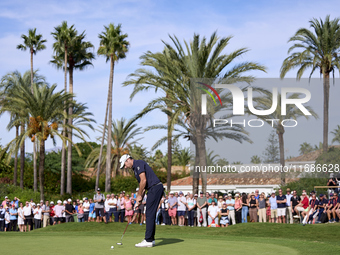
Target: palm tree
point(336, 134)
point(113, 45)
point(305, 148)
point(8, 83)
point(319, 50)
point(63, 35)
point(46, 111)
point(183, 157)
point(265, 101)
point(123, 133)
point(255, 159)
point(202, 59)
point(78, 58)
point(34, 43)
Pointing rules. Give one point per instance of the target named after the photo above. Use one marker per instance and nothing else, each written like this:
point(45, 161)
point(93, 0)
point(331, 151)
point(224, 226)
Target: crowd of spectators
point(174, 209)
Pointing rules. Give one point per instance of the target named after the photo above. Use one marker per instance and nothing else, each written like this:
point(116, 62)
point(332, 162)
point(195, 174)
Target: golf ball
point(112, 247)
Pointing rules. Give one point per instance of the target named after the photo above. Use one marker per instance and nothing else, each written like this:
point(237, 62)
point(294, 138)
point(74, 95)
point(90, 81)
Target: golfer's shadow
point(167, 241)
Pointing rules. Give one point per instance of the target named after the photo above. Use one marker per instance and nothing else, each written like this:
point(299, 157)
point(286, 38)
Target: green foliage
point(330, 159)
point(255, 159)
point(127, 183)
point(305, 148)
point(271, 153)
point(306, 184)
point(13, 191)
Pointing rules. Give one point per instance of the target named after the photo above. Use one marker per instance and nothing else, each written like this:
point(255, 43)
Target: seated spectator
point(273, 208)
point(224, 221)
point(294, 201)
point(322, 203)
point(312, 213)
point(303, 205)
point(213, 213)
point(332, 202)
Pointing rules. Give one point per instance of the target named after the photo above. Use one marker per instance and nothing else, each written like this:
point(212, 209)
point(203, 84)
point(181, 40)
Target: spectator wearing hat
point(86, 206)
point(46, 213)
point(4, 203)
point(58, 212)
point(13, 218)
point(303, 205)
point(322, 203)
point(253, 204)
point(92, 213)
point(52, 214)
point(99, 199)
point(191, 205)
point(273, 208)
point(69, 210)
point(27, 216)
point(2, 218)
point(262, 208)
point(220, 202)
point(182, 202)
point(224, 221)
point(173, 204)
point(289, 213)
point(238, 208)
point(37, 212)
point(202, 205)
point(7, 220)
point(213, 213)
point(80, 214)
point(231, 209)
point(164, 205)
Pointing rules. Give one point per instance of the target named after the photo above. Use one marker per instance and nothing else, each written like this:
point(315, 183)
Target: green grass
point(250, 238)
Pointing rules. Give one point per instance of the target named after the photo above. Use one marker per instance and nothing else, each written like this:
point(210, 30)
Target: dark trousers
point(238, 216)
point(2, 225)
point(37, 224)
point(165, 217)
point(13, 225)
point(191, 215)
point(109, 214)
point(116, 214)
point(86, 216)
point(154, 197)
point(121, 214)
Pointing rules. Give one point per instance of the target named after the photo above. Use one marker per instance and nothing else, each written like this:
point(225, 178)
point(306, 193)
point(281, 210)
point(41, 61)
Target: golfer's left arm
point(141, 190)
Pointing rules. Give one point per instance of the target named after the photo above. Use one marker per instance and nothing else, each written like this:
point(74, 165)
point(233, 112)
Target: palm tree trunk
point(32, 71)
point(102, 143)
point(325, 110)
point(280, 131)
point(168, 183)
point(195, 175)
point(69, 149)
point(15, 173)
point(22, 158)
point(63, 149)
point(202, 158)
point(41, 168)
point(109, 134)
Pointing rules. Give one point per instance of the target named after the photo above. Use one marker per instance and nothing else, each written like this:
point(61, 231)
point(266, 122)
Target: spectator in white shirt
point(27, 216)
point(86, 206)
point(213, 213)
point(182, 202)
point(37, 212)
point(113, 206)
point(191, 205)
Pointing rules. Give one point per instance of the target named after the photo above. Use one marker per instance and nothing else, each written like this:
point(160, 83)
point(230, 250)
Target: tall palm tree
point(200, 59)
point(265, 101)
point(336, 134)
point(62, 35)
point(318, 49)
point(8, 83)
point(183, 157)
point(46, 111)
point(34, 43)
point(78, 58)
point(113, 45)
point(124, 134)
point(305, 148)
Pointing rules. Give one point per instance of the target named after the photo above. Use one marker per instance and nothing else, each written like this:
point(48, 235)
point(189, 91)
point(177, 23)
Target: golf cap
point(52, 203)
point(137, 189)
point(98, 189)
point(321, 195)
point(288, 189)
point(237, 195)
point(196, 195)
point(81, 201)
point(41, 201)
point(229, 195)
point(331, 194)
point(6, 197)
point(65, 202)
point(201, 192)
point(13, 205)
point(86, 198)
point(69, 200)
point(171, 193)
point(33, 204)
point(123, 159)
point(181, 193)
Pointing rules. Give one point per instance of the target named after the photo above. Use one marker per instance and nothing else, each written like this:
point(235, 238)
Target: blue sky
point(262, 26)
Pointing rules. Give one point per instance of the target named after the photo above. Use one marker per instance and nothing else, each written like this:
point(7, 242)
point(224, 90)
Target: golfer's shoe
point(144, 243)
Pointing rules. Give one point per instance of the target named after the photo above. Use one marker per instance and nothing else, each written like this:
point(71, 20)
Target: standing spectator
point(69, 210)
point(273, 208)
point(107, 208)
point(4, 203)
point(112, 206)
point(224, 221)
point(128, 208)
point(37, 212)
point(257, 194)
point(191, 204)
point(181, 209)
point(63, 218)
point(213, 213)
point(231, 209)
point(245, 208)
point(212, 197)
point(195, 209)
point(238, 208)
point(331, 183)
point(262, 208)
point(86, 207)
point(7, 220)
point(21, 217)
point(80, 215)
point(220, 202)
point(253, 204)
point(2, 218)
point(52, 214)
point(92, 214)
point(46, 214)
point(121, 202)
point(58, 212)
point(13, 218)
point(27, 216)
point(268, 210)
point(294, 201)
point(164, 210)
point(15, 202)
point(289, 208)
point(99, 206)
point(202, 205)
point(173, 204)
point(281, 201)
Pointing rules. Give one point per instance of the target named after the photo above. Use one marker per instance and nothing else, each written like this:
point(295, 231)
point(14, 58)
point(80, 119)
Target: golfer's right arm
point(141, 190)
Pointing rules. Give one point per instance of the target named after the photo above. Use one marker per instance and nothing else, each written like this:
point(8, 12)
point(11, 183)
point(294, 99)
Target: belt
point(155, 185)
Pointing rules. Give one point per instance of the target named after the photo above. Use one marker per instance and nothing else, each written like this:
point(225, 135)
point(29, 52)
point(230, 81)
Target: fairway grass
point(250, 238)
